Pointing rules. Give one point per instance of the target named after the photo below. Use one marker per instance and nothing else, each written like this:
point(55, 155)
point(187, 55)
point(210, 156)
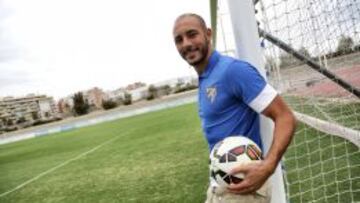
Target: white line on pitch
point(57, 167)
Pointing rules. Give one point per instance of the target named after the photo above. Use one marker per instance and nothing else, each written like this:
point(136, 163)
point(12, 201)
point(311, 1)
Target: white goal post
point(247, 45)
point(309, 50)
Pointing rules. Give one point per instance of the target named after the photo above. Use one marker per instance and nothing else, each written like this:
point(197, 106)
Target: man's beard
point(204, 51)
point(203, 54)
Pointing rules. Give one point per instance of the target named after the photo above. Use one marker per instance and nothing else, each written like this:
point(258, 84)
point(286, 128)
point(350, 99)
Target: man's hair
point(199, 18)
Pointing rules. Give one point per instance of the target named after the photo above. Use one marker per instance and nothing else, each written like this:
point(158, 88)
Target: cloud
point(8, 50)
point(67, 46)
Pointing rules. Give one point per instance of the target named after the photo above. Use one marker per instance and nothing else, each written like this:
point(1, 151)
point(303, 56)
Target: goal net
point(321, 83)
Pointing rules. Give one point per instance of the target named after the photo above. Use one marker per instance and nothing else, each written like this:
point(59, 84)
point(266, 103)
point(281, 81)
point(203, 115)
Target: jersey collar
point(214, 58)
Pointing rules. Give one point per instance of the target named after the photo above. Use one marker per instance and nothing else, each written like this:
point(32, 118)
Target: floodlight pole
point(248, 48)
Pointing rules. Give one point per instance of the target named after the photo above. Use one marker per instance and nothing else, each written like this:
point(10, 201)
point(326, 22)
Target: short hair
point(198, 17)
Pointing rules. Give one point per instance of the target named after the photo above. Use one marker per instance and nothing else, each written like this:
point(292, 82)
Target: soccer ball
point(227, 154)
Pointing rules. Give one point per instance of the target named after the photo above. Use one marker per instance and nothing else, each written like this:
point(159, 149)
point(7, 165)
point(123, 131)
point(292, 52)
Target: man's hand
point(255, 175)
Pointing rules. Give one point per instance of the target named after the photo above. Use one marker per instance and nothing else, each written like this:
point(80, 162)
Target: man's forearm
point(283, 133)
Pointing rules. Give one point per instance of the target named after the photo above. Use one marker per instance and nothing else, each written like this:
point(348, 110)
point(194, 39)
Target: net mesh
point(321, 164)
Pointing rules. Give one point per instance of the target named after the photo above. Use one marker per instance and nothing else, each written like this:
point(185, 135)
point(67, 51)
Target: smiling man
point(232, 95)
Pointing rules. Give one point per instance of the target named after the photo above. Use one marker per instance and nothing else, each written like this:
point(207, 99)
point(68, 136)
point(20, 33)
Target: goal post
point(247, 44)
point(310, 53)
point(247, 48)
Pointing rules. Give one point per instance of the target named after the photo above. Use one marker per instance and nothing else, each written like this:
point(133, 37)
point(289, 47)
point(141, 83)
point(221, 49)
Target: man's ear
point(208, 32)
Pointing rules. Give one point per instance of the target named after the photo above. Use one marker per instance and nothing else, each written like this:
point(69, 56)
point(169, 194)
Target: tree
point(270, 64)
point(345, 44)
point(357, 48)
point(166, 89)
point(304, 52)
point(287, 60)
point(127, 99)
point(152, 92)
point(81, 106)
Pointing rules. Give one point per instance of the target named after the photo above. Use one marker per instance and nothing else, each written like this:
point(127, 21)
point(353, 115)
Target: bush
point(108, 104)
point(152, 92)
point(150, 97)
point(21, 120)
point(187, 87)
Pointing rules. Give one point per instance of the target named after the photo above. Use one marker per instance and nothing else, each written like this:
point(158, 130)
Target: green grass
point(320, 167)
point(343, 113)
point(161, 157)
point(156, 157)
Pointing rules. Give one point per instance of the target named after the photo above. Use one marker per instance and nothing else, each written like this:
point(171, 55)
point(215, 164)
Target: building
point(25, 111)
point(65, 106)
point(95, 97)
point(137, 90)
point(180, 81)
point(116, 95)
point(139, 93)
point(135, 85)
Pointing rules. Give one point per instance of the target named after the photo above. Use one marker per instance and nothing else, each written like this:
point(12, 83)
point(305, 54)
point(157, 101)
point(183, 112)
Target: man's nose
point(187, 42)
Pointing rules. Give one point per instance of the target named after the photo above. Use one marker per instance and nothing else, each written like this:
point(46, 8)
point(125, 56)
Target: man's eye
point(178, 40)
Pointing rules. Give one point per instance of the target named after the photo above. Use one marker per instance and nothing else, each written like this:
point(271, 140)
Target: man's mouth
point(190, 52)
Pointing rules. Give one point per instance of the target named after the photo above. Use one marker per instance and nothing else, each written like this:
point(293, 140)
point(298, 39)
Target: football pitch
point(155, 157)
point(323, 168)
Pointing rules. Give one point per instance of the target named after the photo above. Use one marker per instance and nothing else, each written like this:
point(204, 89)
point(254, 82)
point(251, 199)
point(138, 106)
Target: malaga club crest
point(211, 93)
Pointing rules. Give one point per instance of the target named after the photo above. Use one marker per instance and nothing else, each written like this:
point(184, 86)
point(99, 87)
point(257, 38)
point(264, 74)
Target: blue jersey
point(232, 93)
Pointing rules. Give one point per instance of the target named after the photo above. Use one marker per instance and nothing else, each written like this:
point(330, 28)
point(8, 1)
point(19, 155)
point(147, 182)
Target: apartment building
point(95, 97)
point(116, 95)
point(138, 93)
point(24, 111)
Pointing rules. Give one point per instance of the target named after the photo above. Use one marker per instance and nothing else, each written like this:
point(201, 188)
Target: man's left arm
point(258, 172)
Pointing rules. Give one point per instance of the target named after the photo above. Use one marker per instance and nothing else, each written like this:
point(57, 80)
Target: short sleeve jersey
point(232, 93)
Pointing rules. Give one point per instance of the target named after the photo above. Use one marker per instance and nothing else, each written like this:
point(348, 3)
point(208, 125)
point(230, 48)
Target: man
point(232, 94)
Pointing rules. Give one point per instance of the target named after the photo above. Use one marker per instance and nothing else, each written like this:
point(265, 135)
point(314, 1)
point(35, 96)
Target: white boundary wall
point(156, 105)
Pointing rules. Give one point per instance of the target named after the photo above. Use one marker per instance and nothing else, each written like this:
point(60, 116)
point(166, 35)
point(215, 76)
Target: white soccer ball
point(231, 152)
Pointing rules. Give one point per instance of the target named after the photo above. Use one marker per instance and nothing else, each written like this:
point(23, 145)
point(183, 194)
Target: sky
point(58, 47)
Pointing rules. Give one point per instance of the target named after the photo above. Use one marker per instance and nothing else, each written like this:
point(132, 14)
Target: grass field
point(341, 112)
point(323, 168)
point(155, 157)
